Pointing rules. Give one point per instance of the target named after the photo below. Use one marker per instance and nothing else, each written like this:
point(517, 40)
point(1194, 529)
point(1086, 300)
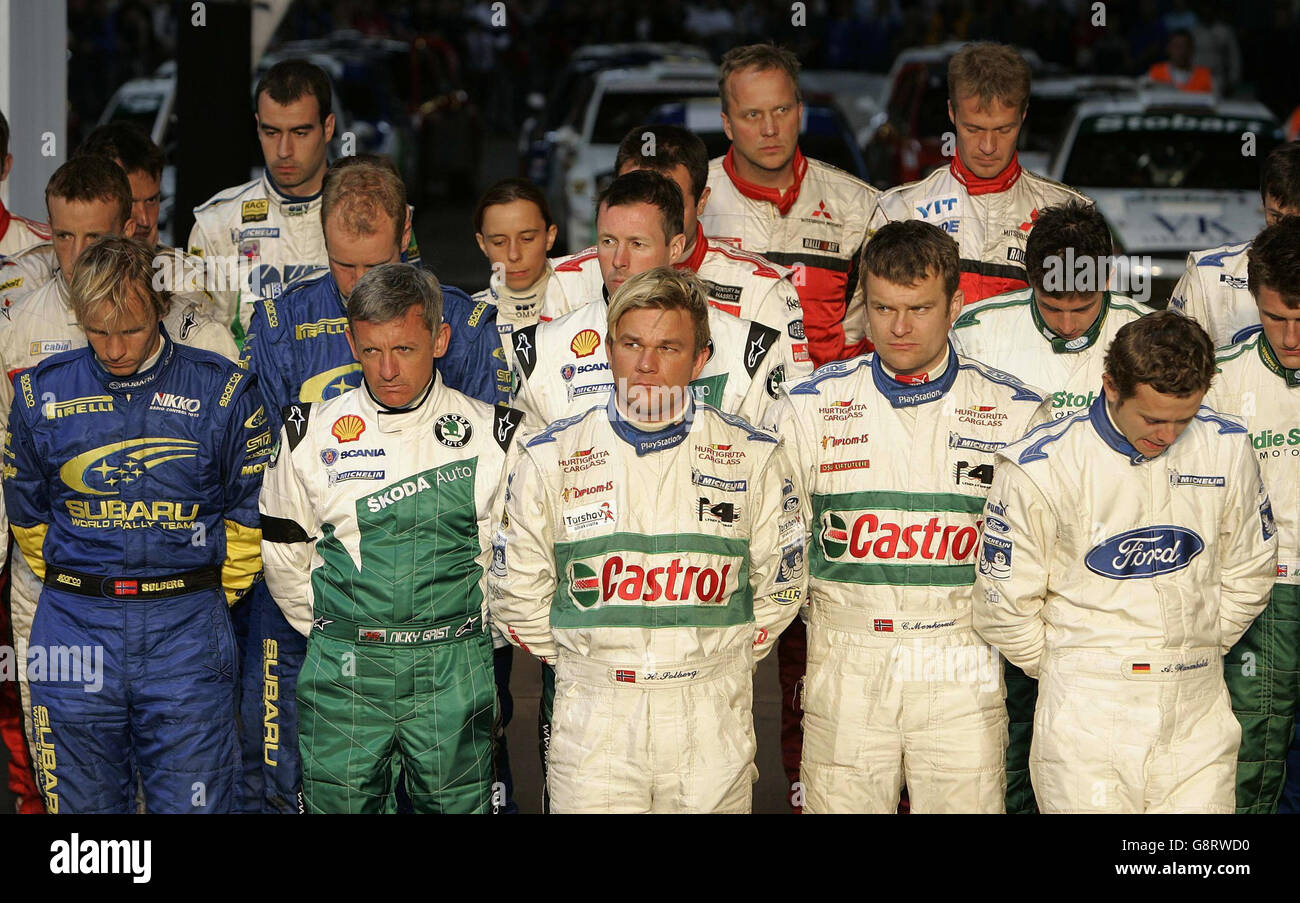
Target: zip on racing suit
point(1007, 331)
point(134, 499)
point(817, 228)
point(735, 282)
point(298, 350)
point(377, 530)
point(899, 687)
point(1215, 292)
point(1119, 582)
point(653, 568)
point(989, 218)
point(562, 366)
point(1261, 669)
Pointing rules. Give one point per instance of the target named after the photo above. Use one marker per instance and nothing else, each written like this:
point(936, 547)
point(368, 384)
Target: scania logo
point(1144, 552)
point(870, 536)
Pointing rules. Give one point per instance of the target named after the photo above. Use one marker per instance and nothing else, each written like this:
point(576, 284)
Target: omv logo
point(1145, 552)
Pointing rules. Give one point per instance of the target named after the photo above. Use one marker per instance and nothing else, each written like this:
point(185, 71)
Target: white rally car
point(1172, 172)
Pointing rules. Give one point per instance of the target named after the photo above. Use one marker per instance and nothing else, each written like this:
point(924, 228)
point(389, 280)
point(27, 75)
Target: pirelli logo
point(328, 326)
point(476, 314)
point(91, 404)
point(229, 391)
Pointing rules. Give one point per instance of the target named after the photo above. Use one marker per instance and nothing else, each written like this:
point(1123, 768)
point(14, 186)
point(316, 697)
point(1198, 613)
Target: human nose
point(284, 146)
point(647, 360)
point(514, 250)
point(388, 368)
point(622, 256)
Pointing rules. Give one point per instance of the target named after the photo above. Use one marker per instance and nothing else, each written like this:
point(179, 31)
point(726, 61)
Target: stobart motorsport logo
point(106, 470)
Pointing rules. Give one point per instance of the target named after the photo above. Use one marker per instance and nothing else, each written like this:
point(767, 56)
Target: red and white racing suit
point(18, 232)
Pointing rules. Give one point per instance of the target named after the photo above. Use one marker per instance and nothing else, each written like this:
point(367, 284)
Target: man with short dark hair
point(895, 452)
point(651, 549)
point(1259, 380)
point(984, 199)
point(1125, 551)
point(378, 510)
point(1215, 289)
point(766, 197)
point(126, 144)
point(131, 472)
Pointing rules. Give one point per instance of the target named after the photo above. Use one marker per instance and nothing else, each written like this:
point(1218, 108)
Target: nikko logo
point(107, 469)
point(871, 536)
point(1144, 552)
point(636, 581)
point(176, 404)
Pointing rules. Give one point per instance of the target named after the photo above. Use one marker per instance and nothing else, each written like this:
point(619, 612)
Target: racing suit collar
point(901, 395)
point(647, 441)
point(976, 185)
point(691, 263)
point(286, 200)
point(141, 378)
point(783, 202)
point(1076, 344)
point(525, 304)
point(1269, 357)
point(394, 420)
point(1108, 432)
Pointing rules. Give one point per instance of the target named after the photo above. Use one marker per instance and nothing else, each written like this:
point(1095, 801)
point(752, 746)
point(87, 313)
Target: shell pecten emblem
point(585, 343)
point(102, 470)
point(348, 428)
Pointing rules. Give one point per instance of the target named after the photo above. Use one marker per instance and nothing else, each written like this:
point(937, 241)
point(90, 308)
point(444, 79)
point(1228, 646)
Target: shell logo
point(348, 428)
point(585, 343)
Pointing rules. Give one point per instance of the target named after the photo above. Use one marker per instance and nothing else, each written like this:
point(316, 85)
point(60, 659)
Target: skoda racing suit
point(1215, 291)
point(899, 688)
point(562, 366)
point(297, 348)
point(737, 282)
point(377, 530)
point(134, 500)
point(1263, 668)
point(1007, 332)
point(653, 568)
point(1120, 581)
point(989, 218)
point(816, 228)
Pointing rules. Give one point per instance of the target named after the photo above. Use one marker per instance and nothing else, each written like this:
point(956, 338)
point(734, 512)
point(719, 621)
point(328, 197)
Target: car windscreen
point(620, 111)
point(1168, 150)
point(141, 109)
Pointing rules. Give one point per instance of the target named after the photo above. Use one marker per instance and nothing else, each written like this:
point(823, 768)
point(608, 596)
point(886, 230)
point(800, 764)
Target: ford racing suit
point(134, 501)
point(1119, 582)
point(562, 367)
point(817, 228)
point(1008, 332)
point(899, 688)
point(297, 348)
point(653, 568)
point(377, 530)
point(1263, 667)
point(737, 282)
point(1215, 291)
point(989, 218)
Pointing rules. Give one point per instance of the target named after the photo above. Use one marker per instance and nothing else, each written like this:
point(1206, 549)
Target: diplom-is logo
point(1144, 552)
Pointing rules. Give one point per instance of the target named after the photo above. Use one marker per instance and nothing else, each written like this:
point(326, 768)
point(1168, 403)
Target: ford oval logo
point(1145, 552)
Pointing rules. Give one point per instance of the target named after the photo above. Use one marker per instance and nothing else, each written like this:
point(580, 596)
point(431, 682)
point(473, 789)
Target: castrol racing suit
point(1008, 332)
point(134, 499)
point(653, 568)
point(1119, 582)
point(899, 688)
point(1261, 669)
point(989, 218)
point(377, 530)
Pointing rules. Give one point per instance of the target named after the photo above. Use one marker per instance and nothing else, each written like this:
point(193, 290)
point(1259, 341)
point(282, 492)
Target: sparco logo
point(166, 401)
point(1144, 552)
point(872, 537)
point(675, 581)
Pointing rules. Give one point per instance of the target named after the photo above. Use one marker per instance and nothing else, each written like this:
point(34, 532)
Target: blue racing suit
point(134, 500)
point(297, 347)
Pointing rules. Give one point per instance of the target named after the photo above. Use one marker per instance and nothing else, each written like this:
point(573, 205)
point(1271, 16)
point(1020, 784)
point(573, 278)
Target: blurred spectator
point(1148, 36)
point(1217, 48)
point(1179, 70)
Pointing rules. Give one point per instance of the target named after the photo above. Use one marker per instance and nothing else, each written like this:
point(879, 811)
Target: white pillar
point(34, 97)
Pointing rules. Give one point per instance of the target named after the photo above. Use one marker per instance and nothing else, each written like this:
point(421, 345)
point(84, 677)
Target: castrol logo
point(872, 536)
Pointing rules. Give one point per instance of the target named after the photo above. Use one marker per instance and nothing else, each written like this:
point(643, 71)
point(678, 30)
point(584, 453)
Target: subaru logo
point(1144, 552)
